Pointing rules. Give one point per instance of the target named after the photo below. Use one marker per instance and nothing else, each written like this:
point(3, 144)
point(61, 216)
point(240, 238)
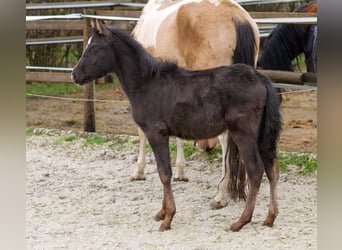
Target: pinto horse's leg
point(180, 162)
point(160, 147)
point(221, 199)
point(250, 155)
point(141, 162)
point(272, 173)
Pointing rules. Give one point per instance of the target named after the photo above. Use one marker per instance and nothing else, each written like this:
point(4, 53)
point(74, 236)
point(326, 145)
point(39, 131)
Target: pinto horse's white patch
point(154, 14)
point(147, 28)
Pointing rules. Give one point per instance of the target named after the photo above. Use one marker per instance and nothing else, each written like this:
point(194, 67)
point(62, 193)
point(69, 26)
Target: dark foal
point(169, 101)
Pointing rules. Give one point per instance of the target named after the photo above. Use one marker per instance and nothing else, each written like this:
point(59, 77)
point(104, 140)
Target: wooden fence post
point(89, 94)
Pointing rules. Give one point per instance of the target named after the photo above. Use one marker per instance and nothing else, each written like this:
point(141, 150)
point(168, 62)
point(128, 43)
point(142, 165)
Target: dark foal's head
point(98, 57)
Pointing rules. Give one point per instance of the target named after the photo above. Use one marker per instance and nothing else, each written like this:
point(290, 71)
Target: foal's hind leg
point(250, 155)
point(272, 173)
point(141, 162)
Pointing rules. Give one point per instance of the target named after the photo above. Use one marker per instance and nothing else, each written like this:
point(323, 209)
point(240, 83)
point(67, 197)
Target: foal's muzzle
point(76, 77)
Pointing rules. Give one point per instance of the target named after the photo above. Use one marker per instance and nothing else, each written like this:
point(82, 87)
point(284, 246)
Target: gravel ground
point(81, 198)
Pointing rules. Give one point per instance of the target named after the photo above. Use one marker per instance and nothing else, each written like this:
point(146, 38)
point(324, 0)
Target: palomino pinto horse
point(197, 34)
point(287, 41)
point(168, 100)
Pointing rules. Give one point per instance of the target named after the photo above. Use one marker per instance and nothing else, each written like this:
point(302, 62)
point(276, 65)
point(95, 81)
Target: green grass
point(299, 61)
point(303, 163)
point(300, 163)
point(89, 140)
point(29, 132)
point(95, 139)
point(66, 138)
point(52, 89)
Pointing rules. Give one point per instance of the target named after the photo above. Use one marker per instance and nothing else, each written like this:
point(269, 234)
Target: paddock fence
point(125, 15)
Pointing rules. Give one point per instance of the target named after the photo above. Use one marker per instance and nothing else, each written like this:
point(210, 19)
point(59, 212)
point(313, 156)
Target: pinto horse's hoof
point(214, 205)
point(138, 178)
point(185, 179)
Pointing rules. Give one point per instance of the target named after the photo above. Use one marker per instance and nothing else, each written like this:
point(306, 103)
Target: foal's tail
point(269, 131)
point(246, 47)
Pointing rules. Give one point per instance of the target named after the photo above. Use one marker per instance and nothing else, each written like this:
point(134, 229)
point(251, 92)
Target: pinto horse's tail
point(246, 47)
point(269, 131)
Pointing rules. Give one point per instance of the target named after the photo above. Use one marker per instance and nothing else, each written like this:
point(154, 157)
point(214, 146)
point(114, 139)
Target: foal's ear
point(102, 29)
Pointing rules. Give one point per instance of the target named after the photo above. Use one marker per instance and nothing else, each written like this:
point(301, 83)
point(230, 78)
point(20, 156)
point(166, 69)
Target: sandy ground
point(82, 198)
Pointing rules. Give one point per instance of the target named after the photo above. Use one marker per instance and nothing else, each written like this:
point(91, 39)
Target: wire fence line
point(127, 102)
point(76, 99)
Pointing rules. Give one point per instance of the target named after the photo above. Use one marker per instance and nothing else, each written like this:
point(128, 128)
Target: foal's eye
point(95, 49)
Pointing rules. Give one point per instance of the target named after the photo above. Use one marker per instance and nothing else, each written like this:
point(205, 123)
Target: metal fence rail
point(76, 5)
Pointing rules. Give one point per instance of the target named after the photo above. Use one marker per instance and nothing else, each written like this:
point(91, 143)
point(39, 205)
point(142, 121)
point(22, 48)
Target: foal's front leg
point(160, 147)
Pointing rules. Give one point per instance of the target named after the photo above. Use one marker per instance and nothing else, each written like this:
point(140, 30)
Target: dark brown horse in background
point(168, 100)
point(197, 35)
point(287, 41)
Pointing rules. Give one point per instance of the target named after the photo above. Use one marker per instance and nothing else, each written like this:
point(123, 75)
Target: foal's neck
point(134, 64)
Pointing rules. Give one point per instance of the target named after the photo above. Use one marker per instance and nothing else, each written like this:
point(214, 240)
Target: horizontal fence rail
point(75, 5)
point(80, 5)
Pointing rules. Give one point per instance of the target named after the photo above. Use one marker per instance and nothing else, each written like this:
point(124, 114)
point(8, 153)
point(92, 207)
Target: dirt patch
point(299, 111)
point(81, 198)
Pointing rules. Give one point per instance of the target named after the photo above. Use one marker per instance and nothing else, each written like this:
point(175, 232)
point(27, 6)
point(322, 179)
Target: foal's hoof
point(138, 178)
point(214, 205)
point(268, 222)
point(235, 227)
point(183, 178)
point(163, 228)
point(270, 219)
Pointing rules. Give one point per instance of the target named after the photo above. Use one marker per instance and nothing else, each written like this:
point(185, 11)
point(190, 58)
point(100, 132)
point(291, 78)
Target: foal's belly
point(196, 126)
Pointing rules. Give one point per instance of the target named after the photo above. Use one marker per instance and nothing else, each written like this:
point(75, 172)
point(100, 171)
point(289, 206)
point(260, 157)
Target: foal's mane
point(148, 65)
